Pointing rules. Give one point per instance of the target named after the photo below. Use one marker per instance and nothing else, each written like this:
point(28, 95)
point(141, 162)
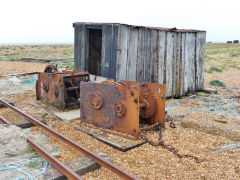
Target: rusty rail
point(54, 161)
point(4, 120)
point(115, 169)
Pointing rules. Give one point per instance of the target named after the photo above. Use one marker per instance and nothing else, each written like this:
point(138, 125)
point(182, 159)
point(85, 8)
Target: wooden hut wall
point(109, 46)
point(173, 58)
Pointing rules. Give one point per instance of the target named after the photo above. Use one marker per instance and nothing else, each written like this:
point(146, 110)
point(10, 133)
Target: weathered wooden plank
point(106, 49)
point(192, 58)
point(156, 70)
point(146, 54)
point(174, 65)
point(77, 51)
point(189, 76)
point(200, 54)
point(132, 54)
point(140, 54)
point(83, 56)
point(79, 47)
point(161, 51)
point(186, 64)
point(122, 46)
point(113, 59)
point(178, 59)
point(103, 51)
point(153, 60)
point(108, 63)
point(169, 59)
point(147, 58)
point(182, 64)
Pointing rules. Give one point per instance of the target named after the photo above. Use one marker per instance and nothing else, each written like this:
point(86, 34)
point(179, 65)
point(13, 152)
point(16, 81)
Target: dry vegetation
point(36, 51)
point(147, 162)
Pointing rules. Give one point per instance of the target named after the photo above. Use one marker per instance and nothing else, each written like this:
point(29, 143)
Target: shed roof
point(174, 29)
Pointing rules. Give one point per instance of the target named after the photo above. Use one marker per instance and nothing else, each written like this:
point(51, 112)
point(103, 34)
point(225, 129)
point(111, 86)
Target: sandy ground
point(20, 67)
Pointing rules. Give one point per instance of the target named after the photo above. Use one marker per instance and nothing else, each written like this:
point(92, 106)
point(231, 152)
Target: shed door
point(94, 51)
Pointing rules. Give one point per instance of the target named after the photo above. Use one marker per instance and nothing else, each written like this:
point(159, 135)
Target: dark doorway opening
point(94, 51)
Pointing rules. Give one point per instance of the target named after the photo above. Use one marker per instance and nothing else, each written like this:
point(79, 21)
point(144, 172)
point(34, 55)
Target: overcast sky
point(50, 21)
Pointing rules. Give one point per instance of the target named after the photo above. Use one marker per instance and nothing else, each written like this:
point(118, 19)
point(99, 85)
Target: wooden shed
point(170, 56)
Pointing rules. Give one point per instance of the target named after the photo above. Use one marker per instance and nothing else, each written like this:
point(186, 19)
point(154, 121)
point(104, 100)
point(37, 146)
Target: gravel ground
point(230, 77)
point(147, 162)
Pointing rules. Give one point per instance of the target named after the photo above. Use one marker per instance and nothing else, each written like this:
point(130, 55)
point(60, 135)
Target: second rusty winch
point(60, 88)
point(121, 105)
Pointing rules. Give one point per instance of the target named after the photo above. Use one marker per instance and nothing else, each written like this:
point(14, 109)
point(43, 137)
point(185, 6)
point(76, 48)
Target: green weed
point(214, 68)
point(11, 155)
point(207, 71)
point(33, 164)
point(29, 150)
point(234, 54)
point(217, 83)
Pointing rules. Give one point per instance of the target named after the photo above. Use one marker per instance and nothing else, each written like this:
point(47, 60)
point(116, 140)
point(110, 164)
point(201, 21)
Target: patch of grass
point(206, 91)
point(199, 93)
point(29, 150)
point(33, 164)
point(234, 54)
point(214, 68)
point(11, 155)
point(70, 64)
point(65, 52)
point(234, 65)
point(217, 83)
point(41, 51)
point(207, 58)
point(207, 71)
point(229, 63)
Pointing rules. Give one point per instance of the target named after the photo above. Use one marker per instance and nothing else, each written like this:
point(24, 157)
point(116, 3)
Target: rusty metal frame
point(105, 163)
point(120, 105)
point(52, 87)
point(105, 116)
point(158, 91)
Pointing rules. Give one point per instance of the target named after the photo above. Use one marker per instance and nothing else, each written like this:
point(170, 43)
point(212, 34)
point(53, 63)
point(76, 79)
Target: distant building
point(170, 56)
point(236, 41)
point(229, 42)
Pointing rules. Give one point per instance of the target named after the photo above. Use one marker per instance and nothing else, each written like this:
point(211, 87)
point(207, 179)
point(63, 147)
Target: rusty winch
point(121, 105)
point(60, 88)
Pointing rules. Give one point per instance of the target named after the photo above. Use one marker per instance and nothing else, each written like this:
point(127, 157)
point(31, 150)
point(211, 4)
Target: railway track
point(55, 162)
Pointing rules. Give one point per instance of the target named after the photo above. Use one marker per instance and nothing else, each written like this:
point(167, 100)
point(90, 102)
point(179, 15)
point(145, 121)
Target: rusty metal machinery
point(60, 88)
point(121, 105)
